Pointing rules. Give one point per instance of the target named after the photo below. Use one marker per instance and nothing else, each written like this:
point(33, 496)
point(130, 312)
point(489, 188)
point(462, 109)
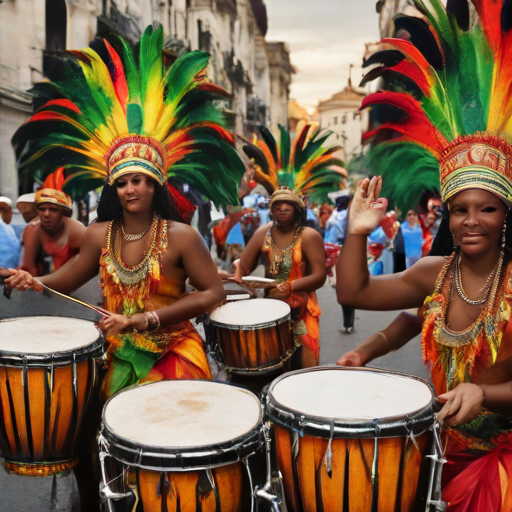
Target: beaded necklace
point(135, 283)
point(281, 260)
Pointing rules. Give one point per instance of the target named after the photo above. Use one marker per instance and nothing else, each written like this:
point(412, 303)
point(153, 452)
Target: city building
point(341, 115)
point(34, 33)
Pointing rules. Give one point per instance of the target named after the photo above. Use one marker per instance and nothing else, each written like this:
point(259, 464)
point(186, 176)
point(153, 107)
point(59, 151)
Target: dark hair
point(109, 206)
point(443, 242)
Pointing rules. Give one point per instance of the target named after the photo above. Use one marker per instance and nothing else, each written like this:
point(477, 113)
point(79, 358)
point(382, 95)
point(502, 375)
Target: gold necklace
point(132, 237)
point(132, 275)
point(484, 292)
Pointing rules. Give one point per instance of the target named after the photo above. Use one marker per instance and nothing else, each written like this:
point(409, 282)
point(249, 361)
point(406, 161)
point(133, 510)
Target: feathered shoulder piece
point(305, 166)
point(451, 110)
point(119, 110)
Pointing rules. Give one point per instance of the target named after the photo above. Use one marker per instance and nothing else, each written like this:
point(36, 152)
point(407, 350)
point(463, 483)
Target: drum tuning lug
point(107, 494)
point(439, 505)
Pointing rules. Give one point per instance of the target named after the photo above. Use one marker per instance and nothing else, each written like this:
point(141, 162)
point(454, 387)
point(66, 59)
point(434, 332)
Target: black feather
point(422, 38)
point(459, 9)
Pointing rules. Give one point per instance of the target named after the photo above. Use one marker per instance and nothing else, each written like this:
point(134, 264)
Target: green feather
point(407, 169)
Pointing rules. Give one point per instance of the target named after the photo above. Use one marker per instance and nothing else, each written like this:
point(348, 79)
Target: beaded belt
point(39, 468)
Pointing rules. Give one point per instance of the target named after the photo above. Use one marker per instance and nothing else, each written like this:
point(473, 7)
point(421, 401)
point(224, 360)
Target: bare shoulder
point(426, 271)
point(311, 235)
point(96, 233)
point(262, 231)
point(182, 234)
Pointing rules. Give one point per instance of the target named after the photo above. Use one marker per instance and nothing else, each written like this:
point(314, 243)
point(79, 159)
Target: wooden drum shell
point(255, 348)
point(400, 486)
point(41, 410)
point(191, 491)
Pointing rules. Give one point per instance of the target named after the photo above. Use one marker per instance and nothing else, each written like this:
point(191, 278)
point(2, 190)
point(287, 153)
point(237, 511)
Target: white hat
point(27, 198)
point(6, 200)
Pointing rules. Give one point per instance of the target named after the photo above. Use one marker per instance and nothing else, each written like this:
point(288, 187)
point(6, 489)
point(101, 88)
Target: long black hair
point(443, 242)
point(110, 208)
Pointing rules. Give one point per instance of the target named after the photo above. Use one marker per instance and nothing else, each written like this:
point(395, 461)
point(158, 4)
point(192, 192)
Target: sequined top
point(281, 261)
point(476, 355)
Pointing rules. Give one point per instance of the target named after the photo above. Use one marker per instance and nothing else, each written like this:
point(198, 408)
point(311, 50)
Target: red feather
point(55, 179)
point(118, 77)
point(414, 65)
point(62, 103)
point(417, 126)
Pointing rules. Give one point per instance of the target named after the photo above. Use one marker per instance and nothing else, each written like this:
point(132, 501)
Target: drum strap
point(39, 469)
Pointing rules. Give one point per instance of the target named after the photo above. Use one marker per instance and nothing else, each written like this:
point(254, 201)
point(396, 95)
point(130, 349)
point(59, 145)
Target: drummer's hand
point(114, 324)
point(461, 404)
point(367, 208)
point(20, 279)
point(351, 358)
point(282, 291)
point(225, 275)
point(238, 274)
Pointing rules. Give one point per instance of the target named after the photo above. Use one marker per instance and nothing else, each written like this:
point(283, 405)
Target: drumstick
point(98, 309)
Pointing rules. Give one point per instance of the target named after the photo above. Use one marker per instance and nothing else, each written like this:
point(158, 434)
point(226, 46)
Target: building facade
point(34, 32)
point(341, 115)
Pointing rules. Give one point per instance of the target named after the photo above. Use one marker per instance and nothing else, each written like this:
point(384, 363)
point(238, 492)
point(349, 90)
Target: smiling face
point(136, 192)
point(476, 221)
point(283, 213)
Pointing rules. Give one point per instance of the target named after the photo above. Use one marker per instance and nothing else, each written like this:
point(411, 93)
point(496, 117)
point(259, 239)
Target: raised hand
point(20, 279)
point(367, 208)
point(351, 358)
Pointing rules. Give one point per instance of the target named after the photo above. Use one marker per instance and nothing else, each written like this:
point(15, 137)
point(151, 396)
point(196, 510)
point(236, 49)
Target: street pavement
point(333, 343)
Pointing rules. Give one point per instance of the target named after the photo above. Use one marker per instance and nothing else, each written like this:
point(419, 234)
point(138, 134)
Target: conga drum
point(182, 444)
point(252, 337)
point(48, 371)
point(352, 439)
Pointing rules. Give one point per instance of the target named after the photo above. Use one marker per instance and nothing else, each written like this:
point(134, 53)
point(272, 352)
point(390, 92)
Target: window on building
point(55, 24)
point(335, 120)
point(344, 119)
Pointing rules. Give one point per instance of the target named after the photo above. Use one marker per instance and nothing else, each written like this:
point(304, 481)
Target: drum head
point(350, 397)
point(255, 312)
point(181, 417)
point(46, 336)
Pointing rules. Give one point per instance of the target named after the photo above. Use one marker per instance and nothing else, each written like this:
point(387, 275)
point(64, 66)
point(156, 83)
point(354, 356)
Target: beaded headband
point(136, 153)
point(480, 161)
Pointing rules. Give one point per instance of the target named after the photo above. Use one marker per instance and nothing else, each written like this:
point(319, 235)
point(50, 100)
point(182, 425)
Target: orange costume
point(478, 475)
point(172, 352)
point(288, 265)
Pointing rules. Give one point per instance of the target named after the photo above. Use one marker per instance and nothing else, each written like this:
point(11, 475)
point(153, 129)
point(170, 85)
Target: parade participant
point(294, 256)
point(55, 239)
point(466, 337)
point(292, 252)
point(9, 242)
point(430, 222)
point(413, 238)
point(140, 244)
point(27, 207)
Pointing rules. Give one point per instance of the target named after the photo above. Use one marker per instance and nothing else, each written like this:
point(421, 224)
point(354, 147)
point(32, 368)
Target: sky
point(325, 37)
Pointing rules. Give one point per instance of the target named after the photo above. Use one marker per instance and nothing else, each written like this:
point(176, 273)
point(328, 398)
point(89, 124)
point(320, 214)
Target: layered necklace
point(483, 294)
point(132, 275)
point(281, 260)
point(445, 336)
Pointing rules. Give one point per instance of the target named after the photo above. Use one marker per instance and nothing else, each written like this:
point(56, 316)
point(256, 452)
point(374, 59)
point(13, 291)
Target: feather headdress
point(51, 192)
point(304, 166)
point(116, 112)
point(452, 114)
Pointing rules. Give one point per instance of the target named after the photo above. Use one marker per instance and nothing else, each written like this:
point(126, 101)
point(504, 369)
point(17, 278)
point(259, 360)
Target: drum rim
point(321, 426)
point(253, 327)
point(234, 450)
point(11, 358)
